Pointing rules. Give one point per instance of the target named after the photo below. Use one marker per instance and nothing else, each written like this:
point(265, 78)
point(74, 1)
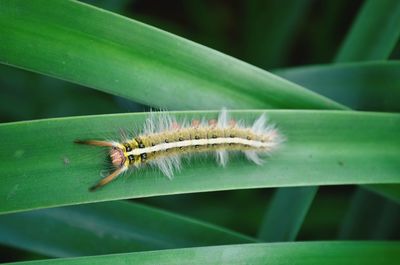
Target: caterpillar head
point(118, 156)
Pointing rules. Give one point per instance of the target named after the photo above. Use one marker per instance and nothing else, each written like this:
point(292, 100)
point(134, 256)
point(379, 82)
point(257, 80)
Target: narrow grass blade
point(286, 213)
point(108, 227)
point(370, 217)
point(357, 85)
point(374, 33)
point(42, 167)
point(309, 253)
point(65, 39)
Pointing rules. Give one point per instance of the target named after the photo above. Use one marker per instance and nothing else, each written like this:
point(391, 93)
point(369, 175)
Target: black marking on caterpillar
point(164, 141)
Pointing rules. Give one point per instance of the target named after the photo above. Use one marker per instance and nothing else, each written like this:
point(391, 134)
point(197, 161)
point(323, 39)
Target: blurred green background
point(248, 30)
point(262, 33)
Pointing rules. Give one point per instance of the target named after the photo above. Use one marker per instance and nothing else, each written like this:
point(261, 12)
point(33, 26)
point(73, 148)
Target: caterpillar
point(164, 141)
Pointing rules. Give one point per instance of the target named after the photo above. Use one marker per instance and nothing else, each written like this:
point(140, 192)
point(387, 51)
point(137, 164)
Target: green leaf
point(325, 214)
point(362, 86)
point(119, 226)
point(278, 253)
point(65, 39)
point(286, 213)
point(380, 48)
point(374, 34)
point(370, 217)
point(41, 167)
point(266, 44)
point(390, 191)
point(297, 210)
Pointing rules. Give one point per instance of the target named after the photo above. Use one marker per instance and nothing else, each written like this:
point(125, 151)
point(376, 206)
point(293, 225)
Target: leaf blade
point(119, 226)
point(276, 253)
point(311, 148)
point(390, 191)
point(286, 213)
point(352, 84)
point(139, 62)
point(374, 34)
point(379, 221)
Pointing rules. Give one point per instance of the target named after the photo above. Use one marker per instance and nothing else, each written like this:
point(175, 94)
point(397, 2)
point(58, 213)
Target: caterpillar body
point(164, 141)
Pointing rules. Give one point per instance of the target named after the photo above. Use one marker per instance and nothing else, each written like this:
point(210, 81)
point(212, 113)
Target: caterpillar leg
point(108, 179)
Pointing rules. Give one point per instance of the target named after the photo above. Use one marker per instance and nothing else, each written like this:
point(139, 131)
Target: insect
point(164, 141)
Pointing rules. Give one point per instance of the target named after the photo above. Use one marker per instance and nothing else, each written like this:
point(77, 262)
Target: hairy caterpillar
point(163, 142)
